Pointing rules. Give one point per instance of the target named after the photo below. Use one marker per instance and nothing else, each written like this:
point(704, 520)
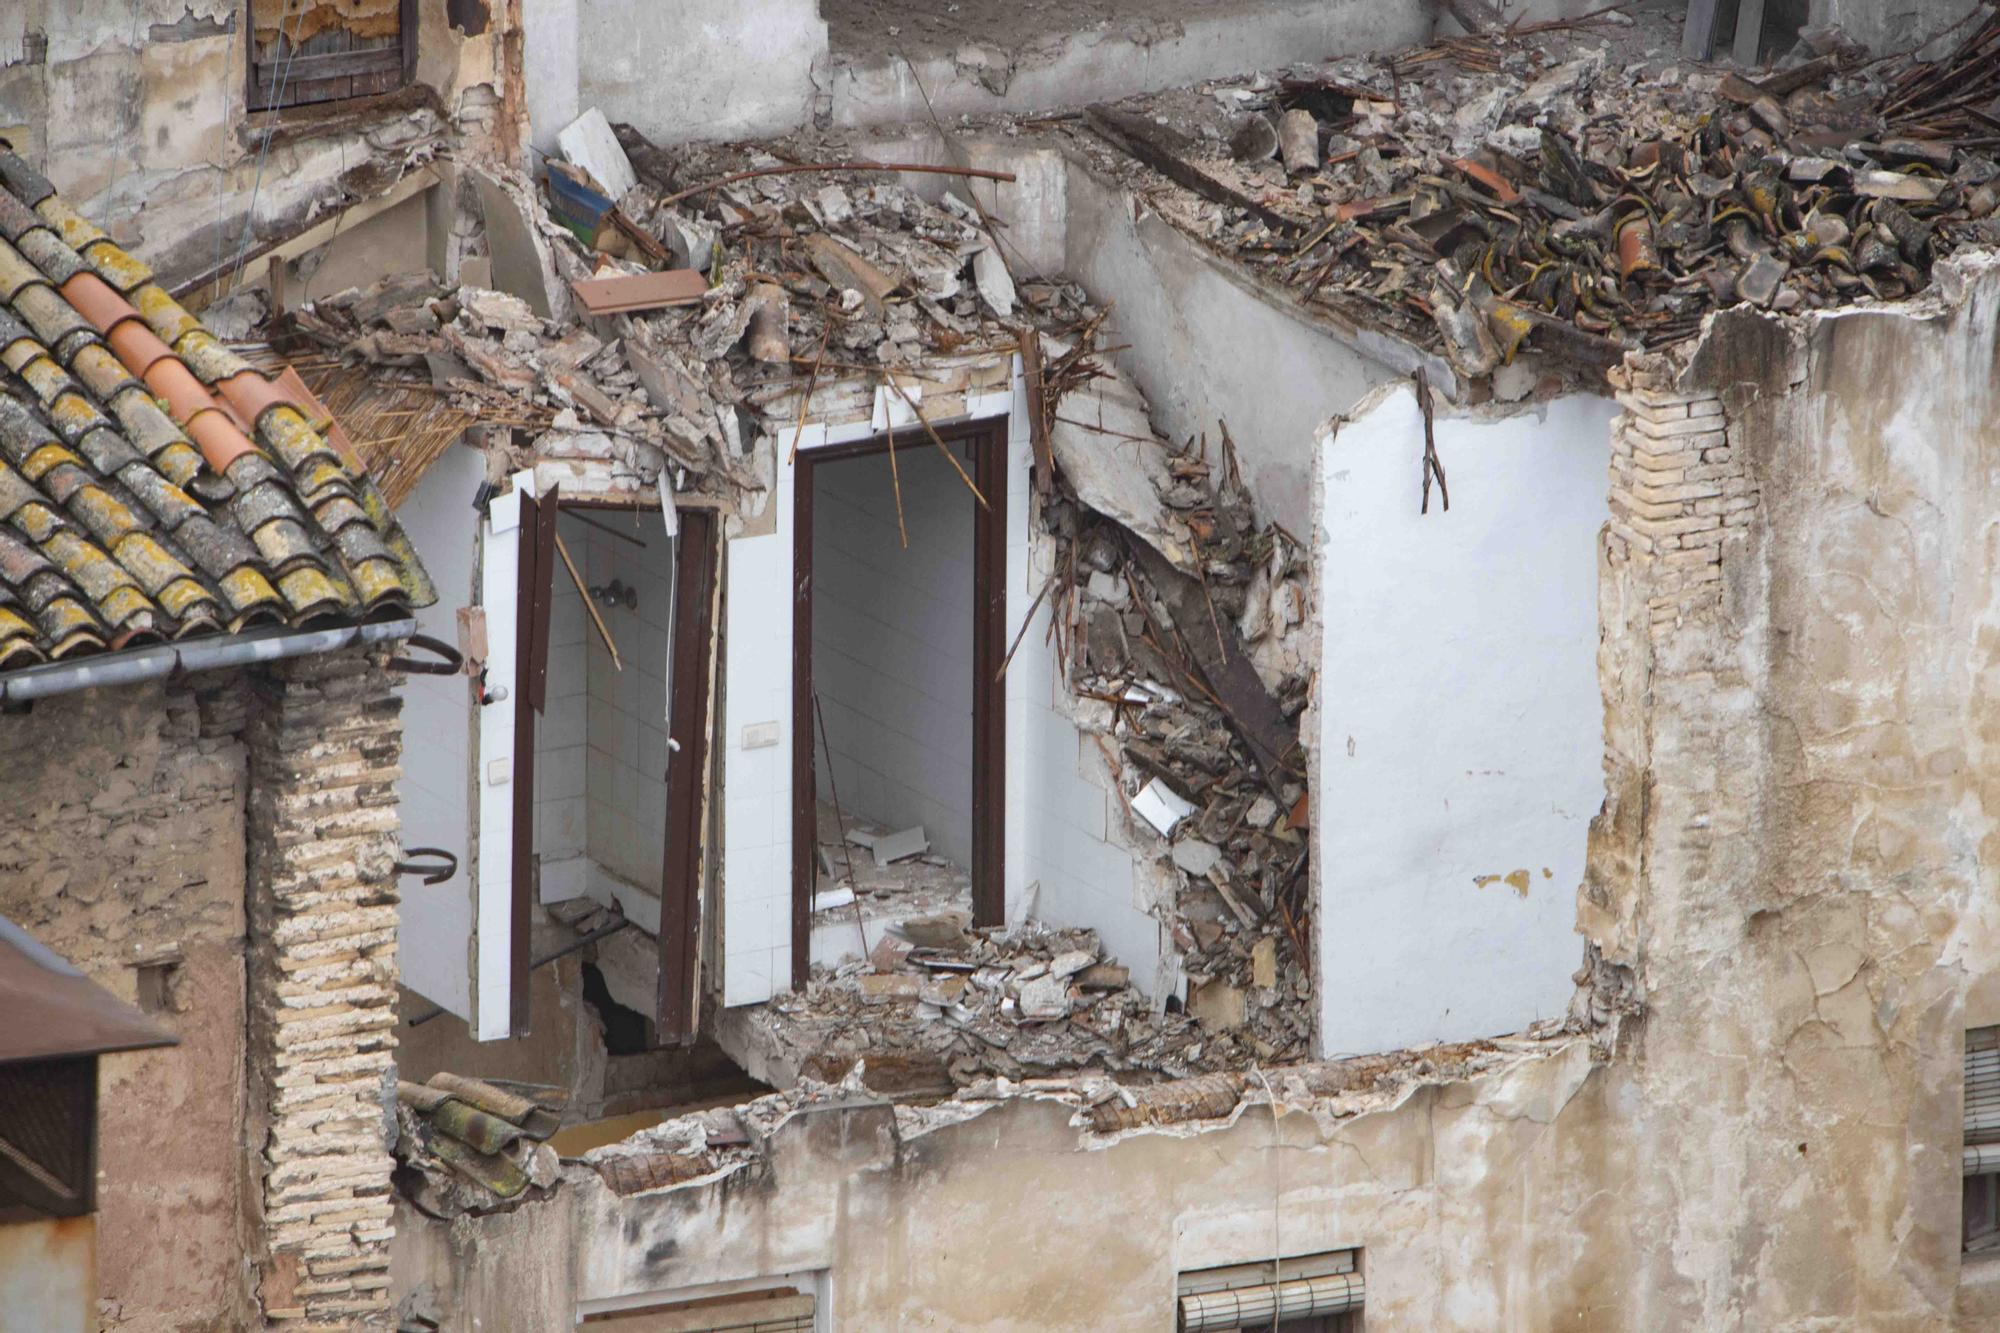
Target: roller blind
point(1255, 1307)
point(1982, 1102)
point(1252, 1296)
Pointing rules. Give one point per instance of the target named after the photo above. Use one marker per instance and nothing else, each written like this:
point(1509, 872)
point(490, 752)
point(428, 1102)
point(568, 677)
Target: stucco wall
point(1473, 1204)
point(1796, 862)
point(123, 844)
point(1458, 735)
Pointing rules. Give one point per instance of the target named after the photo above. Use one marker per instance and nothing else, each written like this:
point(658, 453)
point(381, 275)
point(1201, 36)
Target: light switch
point(499, 772)
point(759, 735)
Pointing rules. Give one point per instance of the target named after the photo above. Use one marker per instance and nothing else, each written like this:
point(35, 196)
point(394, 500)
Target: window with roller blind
point(1316, 1293)
point(1981, 1153)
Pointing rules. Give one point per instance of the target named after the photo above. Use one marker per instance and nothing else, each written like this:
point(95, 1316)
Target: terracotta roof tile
point(116, 525)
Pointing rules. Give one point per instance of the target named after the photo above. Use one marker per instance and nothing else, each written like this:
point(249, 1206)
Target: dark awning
point(53, 1010)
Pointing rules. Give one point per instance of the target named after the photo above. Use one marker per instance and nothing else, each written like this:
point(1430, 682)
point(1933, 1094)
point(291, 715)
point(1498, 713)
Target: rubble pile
point(942, 1005)
point(760, 280)
point(1182, 637)
point(466, 1145)
point(1576, 196)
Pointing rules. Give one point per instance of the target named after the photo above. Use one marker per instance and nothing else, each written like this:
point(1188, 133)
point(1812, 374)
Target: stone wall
point(122, 850)
point(325, 748)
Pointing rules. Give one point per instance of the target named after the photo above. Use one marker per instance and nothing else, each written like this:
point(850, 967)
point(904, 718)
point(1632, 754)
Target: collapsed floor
point(1524, 208)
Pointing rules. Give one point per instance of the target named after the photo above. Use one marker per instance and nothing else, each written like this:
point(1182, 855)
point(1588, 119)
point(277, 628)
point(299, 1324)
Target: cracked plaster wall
point(1468, 1197)
point(136, 112)
point(1795, 865)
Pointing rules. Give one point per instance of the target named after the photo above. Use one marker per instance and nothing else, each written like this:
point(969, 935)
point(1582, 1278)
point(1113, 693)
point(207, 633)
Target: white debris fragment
point(1159, 805)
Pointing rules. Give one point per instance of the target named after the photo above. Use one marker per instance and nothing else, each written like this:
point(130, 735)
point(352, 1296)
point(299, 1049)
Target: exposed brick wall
point(122, 845)
point(1683, 502)
point(325, 748)
point(1677, 489)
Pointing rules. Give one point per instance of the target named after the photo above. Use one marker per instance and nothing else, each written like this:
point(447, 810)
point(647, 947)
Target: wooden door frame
point(697, 551)
point(988, 438)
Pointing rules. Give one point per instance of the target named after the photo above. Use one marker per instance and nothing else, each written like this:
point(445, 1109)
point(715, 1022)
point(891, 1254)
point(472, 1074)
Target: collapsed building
point(1077, 668)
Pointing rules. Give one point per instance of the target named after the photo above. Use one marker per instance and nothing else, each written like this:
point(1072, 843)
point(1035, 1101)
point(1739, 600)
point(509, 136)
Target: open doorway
point(898, 735)
point(621, 749)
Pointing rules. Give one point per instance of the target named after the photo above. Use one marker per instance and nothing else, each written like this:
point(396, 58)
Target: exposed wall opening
point(601, 749)
point(321, 51)
point(621, 748)
point(898, 714)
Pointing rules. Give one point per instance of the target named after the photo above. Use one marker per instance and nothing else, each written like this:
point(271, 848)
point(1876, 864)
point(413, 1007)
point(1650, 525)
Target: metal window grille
point(48, 1138)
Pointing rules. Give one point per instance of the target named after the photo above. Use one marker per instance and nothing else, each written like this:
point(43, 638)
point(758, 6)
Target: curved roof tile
point(113, 526)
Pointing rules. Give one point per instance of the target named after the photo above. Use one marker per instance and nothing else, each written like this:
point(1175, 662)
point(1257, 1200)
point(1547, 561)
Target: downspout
point(144, 664)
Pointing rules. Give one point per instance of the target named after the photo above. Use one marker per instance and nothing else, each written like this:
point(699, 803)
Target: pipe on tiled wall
point(42, 682)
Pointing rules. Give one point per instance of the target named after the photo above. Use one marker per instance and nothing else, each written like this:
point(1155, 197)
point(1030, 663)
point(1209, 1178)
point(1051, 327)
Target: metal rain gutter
point(129, 668)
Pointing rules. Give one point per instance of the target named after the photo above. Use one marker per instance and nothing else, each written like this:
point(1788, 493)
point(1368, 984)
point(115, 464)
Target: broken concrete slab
point(901, 846)
point(523, 261)
point(589, 143)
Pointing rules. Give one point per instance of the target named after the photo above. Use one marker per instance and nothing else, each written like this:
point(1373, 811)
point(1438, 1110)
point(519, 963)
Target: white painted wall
point(892, 642)
point(700, 69)
point(551, 68)
point(1205, 347)
point(433, 793)
point(561, 827)
point(627, 765)
point(1460, 726)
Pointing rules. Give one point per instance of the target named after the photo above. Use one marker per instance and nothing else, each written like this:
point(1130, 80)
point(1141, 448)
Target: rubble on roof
point(467, 1145)
point(1582, 193)
point(716, 303)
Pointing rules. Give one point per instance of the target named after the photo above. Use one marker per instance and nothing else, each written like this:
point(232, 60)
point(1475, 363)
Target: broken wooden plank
point(640, 291)
point(1246, 701)
point(848, 271)
point(1151, 145)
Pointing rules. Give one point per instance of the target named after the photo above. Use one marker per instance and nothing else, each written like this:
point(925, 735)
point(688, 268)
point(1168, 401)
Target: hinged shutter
point(516, 561)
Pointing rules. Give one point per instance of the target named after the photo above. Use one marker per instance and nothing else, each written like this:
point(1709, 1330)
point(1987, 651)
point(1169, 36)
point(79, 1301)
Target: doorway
point(898, 716)
point(621, 753)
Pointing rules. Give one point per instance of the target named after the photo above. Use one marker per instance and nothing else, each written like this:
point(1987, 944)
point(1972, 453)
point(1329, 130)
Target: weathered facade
point(1250, 933)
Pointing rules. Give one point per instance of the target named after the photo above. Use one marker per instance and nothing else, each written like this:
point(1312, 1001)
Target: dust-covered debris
point(467, 1145)
point(1570, 189)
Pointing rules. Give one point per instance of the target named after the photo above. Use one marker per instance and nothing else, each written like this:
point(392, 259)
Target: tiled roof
point(153, 485)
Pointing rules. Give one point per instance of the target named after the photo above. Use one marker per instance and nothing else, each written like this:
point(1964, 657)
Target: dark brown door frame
point(679, 1012)
point(533, 588)
point(988, 446)
point(695, 561)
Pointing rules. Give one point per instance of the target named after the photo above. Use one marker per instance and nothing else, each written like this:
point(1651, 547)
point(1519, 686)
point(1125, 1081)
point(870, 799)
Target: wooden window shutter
point(308, 51)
